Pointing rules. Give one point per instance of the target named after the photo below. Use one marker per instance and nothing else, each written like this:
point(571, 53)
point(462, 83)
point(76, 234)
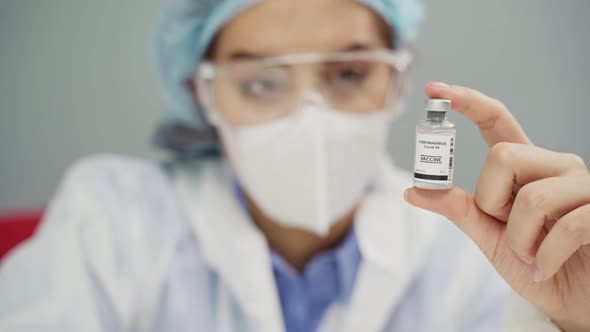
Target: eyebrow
point(247, 55)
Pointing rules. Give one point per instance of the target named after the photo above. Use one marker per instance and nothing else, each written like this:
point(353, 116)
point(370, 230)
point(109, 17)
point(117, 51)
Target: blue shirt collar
point(340, 264)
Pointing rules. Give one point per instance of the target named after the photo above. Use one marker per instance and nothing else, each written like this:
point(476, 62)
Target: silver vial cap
point(437, 105)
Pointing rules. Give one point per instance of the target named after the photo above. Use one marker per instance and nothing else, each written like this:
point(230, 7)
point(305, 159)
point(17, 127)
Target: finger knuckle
point(576, 162)
point(499, 104)
point(500, 112)
point(573, 229)
point(503, 153)
point(532, 198)
point(481, 200)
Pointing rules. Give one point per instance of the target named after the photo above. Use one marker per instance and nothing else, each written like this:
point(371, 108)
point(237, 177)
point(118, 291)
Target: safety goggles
point(257, 91)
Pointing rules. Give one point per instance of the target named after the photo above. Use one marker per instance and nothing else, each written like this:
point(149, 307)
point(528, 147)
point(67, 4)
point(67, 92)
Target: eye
point(257, 87)
point(347, 75)
point(351, 75)
point(263, 85)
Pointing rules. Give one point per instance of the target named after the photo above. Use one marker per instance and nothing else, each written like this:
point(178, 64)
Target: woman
point(282, 212)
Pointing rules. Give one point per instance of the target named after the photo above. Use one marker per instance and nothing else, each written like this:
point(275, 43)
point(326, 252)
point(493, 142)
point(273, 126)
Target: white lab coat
point(127, 246)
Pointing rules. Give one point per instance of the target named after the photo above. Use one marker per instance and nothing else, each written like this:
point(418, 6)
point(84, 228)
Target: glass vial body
point(435, 147)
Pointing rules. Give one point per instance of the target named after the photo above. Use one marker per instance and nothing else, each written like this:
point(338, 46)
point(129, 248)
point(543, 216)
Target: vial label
point(434, 158)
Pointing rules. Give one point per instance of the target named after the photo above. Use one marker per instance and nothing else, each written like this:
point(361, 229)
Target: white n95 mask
point(309, 169)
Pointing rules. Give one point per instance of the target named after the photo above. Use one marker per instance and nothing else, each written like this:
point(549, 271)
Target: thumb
point(459, 206)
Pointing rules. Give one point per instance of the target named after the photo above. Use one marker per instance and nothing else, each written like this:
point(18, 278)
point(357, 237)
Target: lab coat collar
point(229, 243)
point(392, 234)
point(392, 240)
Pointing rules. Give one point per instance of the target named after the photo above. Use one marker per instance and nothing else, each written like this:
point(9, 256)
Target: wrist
point(566, 326)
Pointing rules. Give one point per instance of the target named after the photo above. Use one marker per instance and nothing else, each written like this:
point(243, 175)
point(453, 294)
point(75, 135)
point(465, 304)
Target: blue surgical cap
point(183, 34)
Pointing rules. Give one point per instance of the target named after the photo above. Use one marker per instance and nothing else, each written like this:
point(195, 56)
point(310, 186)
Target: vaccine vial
point(435, 147)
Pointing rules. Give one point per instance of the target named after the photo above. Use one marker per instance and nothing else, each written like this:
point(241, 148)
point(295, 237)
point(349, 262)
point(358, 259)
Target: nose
point(307, 78)
point(312, 97)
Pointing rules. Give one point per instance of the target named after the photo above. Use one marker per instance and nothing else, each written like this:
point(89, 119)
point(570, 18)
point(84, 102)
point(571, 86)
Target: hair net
point(183, 35)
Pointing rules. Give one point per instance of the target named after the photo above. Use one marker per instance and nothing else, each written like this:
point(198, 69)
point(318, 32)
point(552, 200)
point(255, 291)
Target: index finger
point(496, 124)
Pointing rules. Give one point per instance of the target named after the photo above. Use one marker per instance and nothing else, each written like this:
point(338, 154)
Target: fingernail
point(439, 85)
point(406, 195)
point(538, 275)
point(528, 259)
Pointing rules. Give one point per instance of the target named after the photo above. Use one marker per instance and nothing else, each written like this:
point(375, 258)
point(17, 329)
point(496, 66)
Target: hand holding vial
point(530, 214)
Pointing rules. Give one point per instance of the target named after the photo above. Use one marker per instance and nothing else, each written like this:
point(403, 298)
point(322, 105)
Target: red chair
point(17, 226)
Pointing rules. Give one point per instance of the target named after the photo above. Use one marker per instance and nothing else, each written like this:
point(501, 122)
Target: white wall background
point(76, 79)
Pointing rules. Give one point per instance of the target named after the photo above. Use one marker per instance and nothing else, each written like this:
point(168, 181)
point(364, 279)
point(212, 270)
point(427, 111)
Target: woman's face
point(275, 28)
